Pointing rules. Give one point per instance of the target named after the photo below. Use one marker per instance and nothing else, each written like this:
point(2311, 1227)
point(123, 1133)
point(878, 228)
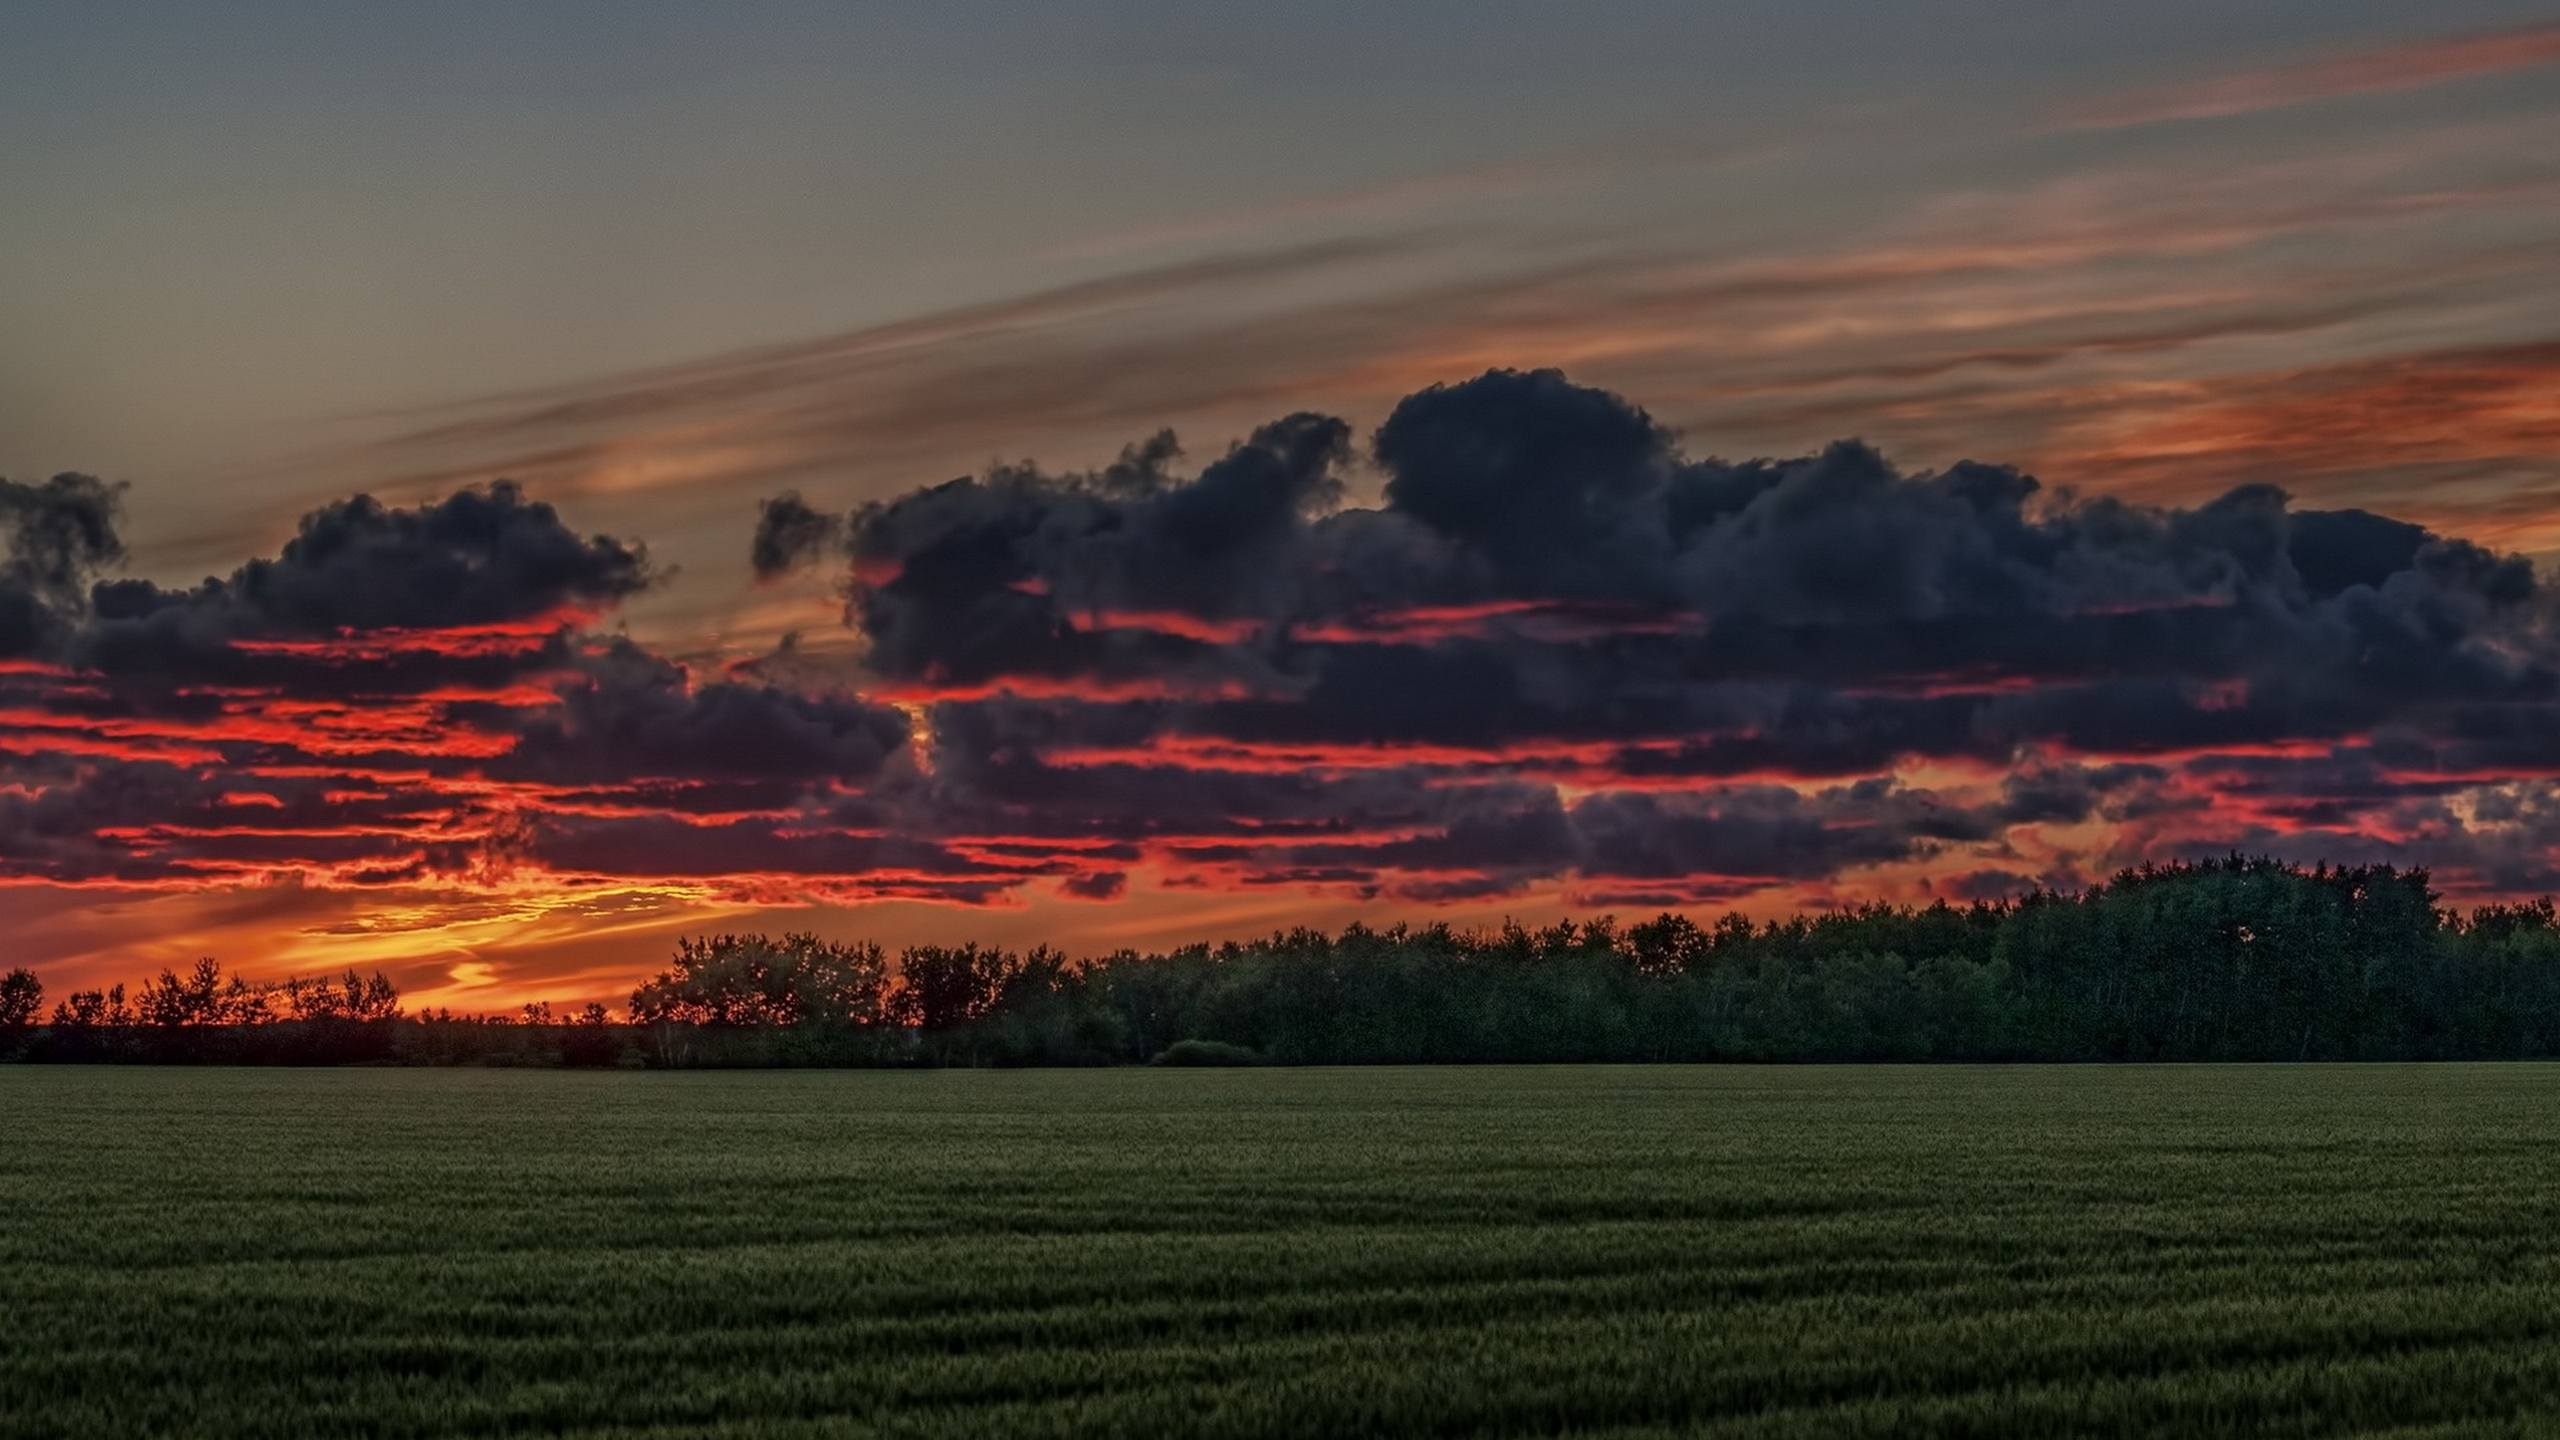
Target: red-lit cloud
point(1561, 660)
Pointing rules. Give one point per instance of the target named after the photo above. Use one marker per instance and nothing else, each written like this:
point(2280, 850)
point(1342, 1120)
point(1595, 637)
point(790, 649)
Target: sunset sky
point(1754, 455)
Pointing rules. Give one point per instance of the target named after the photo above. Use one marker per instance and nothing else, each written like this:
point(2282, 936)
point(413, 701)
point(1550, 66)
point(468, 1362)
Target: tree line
point(2231, 959)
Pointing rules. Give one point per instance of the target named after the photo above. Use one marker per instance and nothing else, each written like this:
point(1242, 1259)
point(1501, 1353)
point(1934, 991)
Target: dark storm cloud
point(1096, 885)
point(52, 823)
point(1526, 492)
point(2068, 794)
point(59, 534)
point(456, 580)
point(2333, 550)
point(789, 534)
point(1559, 651)
point(483, 555)
point(1986, 885)
point(784, 860)
point(629, 716)
point(1005, 787)
point(1022, 573)
point(1552, 591)
point(1525, 488)
point(1548, 480)
point(398, 696)
point(1764, 832)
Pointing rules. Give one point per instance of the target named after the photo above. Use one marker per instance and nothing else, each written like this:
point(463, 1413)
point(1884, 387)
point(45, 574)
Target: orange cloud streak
point(2404, 65)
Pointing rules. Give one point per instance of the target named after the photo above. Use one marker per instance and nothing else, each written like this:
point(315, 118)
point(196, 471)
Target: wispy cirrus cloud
point(2150, 271)
point(2392, 66)
point(2481, 425)
point(1410, 199)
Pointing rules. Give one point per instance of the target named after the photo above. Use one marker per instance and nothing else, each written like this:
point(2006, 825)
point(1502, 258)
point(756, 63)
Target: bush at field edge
point(1207, 1052)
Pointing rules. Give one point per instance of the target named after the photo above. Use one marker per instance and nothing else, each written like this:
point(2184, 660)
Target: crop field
point(1593, 1251)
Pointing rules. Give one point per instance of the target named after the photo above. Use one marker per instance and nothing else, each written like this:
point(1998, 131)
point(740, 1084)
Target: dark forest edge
point(2234, 959)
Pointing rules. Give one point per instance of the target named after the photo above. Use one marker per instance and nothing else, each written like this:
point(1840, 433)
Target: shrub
point(1207, 1052)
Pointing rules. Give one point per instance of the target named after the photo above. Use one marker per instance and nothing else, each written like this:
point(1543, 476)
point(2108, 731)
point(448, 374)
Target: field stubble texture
point(1601, 1251)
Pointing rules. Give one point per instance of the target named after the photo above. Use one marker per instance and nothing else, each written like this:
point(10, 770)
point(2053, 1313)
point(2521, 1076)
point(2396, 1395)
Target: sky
point(1622, 456)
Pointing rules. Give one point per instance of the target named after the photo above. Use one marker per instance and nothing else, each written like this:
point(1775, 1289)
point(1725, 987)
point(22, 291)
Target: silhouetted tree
point(942, 989)
point(92, 1010)
point(590, 1040)
point(200, 997)
point(751, 980)
point(21, 1001)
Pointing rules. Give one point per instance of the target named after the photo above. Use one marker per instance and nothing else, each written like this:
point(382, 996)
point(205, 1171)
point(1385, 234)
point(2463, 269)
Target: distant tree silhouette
point(753, 980)
point(590, 1040)
point(356, 998)
point(200, 997)
point(352, 998)
point(943, 987)
point(105, 1009)
point(21, 1002)
point(2229, 959)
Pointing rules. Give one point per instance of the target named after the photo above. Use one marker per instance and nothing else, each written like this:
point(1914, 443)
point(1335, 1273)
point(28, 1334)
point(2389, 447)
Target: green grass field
point(1815, 1252)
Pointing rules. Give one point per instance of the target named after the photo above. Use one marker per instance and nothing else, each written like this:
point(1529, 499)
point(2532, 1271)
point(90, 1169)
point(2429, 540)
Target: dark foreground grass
point(1815, 1252)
